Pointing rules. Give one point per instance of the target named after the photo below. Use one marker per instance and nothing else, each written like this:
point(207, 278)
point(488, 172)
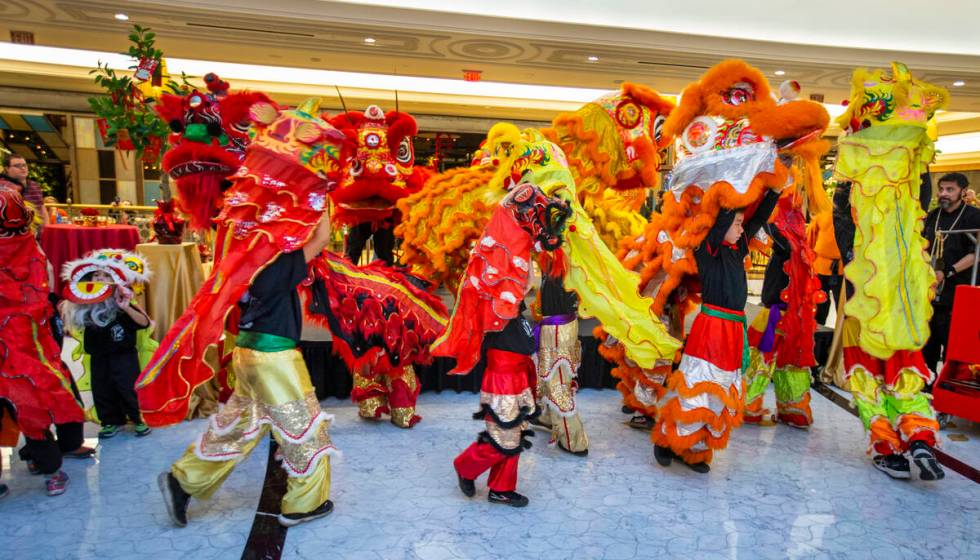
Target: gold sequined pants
point(272, 390)
point(393, 392)
point(559, 358)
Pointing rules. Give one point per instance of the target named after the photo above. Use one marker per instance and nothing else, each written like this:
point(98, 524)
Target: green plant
point(130, 121)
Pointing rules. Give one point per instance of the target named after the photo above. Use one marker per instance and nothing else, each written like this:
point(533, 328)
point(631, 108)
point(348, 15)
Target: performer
point(885, 329)
point(781, 336)
point(828, 265)
point(559, 357)
point(272, 389)
point(716, 351)
point(488, 321)
point(381, 172)
point(35, 391)
point(99, 291)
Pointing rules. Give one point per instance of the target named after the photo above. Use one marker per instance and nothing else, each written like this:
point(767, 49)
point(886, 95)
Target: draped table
point(67, 242)
point(176, 276)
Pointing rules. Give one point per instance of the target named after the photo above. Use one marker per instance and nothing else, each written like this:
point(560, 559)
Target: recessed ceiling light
point(959, 83)
point(593, 59)
point(121, 17)
point(370, 40)
point(780, 72)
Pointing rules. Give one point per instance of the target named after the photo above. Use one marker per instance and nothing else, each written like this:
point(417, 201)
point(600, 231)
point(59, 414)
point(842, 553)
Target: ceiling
point(664, 44)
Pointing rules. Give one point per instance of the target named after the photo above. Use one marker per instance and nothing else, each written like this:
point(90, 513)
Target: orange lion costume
point(729, 133)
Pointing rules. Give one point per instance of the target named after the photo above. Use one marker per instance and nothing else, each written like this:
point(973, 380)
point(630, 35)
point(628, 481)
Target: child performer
point(704, 397)
point(101, 303)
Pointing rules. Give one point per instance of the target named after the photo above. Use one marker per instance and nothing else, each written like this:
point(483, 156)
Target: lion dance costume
point(493, 285)
point(380, 172)
point(729, 131)
point(885, 151)
point(35, 387)
point(612, 149)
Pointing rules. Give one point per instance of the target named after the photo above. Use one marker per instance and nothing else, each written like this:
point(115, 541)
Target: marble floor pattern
point(775, 493)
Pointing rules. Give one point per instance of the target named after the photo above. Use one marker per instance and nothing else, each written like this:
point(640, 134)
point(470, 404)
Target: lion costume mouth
point(194, 167)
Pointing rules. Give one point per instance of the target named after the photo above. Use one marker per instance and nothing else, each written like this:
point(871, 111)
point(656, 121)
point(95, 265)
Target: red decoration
point(472, 75)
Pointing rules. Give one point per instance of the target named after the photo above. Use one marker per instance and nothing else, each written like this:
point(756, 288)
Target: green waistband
point(719, 314)
point(264, 342)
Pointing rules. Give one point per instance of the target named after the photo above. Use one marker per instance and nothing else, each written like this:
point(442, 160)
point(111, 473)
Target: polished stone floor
point(775, 493)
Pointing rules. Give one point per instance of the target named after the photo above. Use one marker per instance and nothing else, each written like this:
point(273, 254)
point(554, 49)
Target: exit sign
point(22, 37)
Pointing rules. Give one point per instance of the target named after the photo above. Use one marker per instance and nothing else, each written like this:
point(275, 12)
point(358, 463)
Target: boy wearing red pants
point(506, 404)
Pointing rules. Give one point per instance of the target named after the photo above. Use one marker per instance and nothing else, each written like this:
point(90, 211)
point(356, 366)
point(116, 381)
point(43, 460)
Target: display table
point(66, 242)
point(176, 276)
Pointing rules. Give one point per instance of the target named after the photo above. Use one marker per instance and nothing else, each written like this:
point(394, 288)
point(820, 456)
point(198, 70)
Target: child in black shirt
point(111, 343)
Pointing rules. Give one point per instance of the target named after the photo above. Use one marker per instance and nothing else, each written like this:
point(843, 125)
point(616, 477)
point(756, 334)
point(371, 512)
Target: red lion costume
point(210, 133)
point(32, 378)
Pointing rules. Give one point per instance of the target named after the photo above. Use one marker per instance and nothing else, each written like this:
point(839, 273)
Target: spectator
point(55, 215)
point(952, 254)
point(14, 177)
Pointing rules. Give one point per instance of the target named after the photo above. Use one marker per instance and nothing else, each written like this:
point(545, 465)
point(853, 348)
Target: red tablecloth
point(65, 242)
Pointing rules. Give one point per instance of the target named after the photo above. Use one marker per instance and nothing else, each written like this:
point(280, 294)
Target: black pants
point(831, 285)
point(935, 350)
point(113, 387)
point(45, 452)
point(384, 242)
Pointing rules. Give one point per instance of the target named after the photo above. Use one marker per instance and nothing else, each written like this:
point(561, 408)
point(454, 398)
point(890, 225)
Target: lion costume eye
point(739, 94)
point(405, 154)
point(658, 127)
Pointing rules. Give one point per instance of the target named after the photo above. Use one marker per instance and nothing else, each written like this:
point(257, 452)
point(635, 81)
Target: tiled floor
point(775, 493)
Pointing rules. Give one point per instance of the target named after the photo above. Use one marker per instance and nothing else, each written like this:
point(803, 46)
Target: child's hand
point(123, 296)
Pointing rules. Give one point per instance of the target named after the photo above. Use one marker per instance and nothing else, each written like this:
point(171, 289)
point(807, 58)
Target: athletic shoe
point(663, 455)
point(32, 467)
point(142, 430)
point(4, 490)
point(627, 410)
point(701, 467)
point(925, 461)
point(895, 466)
point(57, 483)
point(293, 519)
point(468, 487)
point(512, 499)
point(641, 422)
point(174, 498)
point(582, 453)
point(80, 453)
point(108, 431)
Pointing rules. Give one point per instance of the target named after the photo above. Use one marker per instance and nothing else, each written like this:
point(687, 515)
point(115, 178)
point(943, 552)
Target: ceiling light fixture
point(959, 83)
point(780, 72)
point(122, 17)
point(593, 59)
point(370, 40)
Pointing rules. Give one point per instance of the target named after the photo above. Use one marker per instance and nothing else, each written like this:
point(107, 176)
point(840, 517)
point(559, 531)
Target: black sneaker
point(627, 410)
point(895, 466)
point(293, 519)
point(582, 453)
point(4, 490)
point(467, 486)
point(641, 422)
point(174, 497)
point(925, 461)
point(701, 467)
point(512, 499)
point(663, 455)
